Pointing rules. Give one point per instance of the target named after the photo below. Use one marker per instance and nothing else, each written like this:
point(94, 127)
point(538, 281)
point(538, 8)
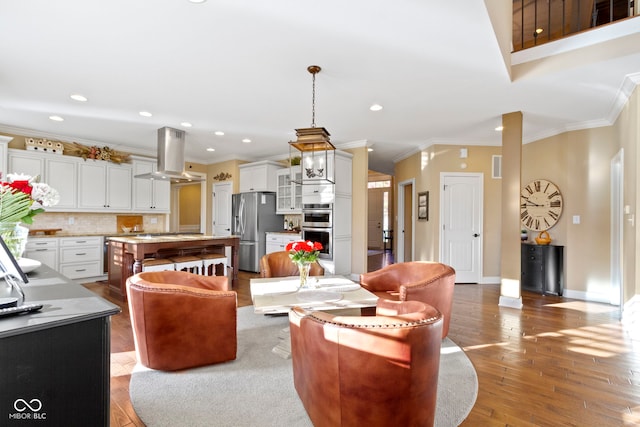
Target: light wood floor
point(556, 362)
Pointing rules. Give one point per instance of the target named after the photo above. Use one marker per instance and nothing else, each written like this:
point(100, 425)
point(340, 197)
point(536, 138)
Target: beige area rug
point(257, 388)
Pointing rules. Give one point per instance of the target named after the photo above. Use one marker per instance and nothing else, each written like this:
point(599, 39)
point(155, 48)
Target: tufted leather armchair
point(429, 282)
point(368, 370)
point(278, 264)
point(181, 320)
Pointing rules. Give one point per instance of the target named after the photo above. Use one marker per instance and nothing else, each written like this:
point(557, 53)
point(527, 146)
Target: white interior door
point(222, 208)
point(374, 232)
point(461, 224)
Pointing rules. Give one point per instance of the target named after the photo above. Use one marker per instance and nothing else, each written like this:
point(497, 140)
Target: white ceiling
point(239, 66)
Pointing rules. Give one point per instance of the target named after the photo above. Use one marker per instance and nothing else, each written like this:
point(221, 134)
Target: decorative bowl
point(126, 229)
point(543, 238)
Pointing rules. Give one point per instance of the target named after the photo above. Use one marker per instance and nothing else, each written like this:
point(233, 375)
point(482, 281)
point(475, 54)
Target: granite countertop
point(147, 238)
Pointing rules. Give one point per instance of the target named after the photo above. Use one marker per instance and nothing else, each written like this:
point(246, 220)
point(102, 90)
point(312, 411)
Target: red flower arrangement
point(304, 252)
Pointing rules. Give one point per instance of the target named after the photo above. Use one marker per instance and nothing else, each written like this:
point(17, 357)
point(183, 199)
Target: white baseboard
point(510, 302)
point(586, 296)
point(490, 280)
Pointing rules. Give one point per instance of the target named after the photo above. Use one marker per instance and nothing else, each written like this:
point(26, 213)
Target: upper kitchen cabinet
point(26, 162)
point(149, 195)
point(4, 147)
point(288, 194)
point(60, 173)
point(103, 185)
point(56, 170)
point(259, 176)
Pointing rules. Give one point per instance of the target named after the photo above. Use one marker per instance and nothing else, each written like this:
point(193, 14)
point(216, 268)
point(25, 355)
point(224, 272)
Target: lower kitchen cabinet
point(278, 241)
point(81, 257)
point(44, 250)
point(542, 268)
point(74, 257)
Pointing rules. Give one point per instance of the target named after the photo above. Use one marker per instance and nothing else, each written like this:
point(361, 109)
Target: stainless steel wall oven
point(317, 226)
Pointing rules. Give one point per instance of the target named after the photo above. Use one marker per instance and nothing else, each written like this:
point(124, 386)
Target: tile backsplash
point(93, 223)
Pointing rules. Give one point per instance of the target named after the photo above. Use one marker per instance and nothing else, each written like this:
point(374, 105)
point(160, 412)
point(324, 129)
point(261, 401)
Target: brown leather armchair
point(181, 320)
point(429, 282)
point(368, 370)
point(278, 264)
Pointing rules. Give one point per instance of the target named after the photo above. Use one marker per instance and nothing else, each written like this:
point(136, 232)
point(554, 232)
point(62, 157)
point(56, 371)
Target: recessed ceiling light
point(186, 124)
point(56, 118)
point(145, 114)
point(376, 107)
point(78, 97)
point(369, 149)
point(499, 128)
point(211, 149)
point(246, 140)
point(197, 1)
point(219, 133)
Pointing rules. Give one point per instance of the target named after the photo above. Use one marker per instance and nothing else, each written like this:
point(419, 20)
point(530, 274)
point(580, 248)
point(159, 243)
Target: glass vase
point(15, 237)
point(304, 268)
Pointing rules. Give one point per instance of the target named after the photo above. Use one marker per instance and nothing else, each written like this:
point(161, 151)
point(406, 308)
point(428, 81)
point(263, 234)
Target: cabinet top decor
point(78, 150)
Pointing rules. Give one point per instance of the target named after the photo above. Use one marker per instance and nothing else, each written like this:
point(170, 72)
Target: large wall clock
point(540, 205)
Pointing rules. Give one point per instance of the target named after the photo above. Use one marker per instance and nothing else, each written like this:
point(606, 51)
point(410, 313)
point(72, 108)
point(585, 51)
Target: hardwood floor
point(556, 362)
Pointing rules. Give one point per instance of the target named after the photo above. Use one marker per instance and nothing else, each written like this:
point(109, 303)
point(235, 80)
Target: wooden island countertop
point(126, 254)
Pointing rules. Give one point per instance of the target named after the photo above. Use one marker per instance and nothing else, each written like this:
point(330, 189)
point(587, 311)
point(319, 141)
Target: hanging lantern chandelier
point(316, 153)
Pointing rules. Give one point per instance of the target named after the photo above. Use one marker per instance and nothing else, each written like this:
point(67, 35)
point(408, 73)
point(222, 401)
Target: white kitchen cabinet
point(60, 174)
point(44, 249)
point(259, 176)
point(288, 193)
point(80, 257)
point(54, 169)
point(150, 195)
point(4, 152)
point(25, 162)
point(278, 241)
point(103, 185)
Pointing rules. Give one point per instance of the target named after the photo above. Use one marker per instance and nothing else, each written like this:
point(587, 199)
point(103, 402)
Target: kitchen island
point(126, 254)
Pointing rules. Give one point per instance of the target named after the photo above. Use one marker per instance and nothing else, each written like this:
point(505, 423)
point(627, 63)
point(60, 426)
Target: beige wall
point(190, 196)
point(359, 194)
point(579, 163)
point(426, 167)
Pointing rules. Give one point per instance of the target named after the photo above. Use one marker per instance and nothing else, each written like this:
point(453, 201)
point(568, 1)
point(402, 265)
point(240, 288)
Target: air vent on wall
point(496, 167)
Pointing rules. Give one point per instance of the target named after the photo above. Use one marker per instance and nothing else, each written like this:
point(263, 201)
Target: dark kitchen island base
point(127, 253)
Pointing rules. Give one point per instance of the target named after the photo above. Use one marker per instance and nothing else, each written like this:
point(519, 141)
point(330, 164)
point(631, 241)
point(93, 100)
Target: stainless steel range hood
point(170, 158)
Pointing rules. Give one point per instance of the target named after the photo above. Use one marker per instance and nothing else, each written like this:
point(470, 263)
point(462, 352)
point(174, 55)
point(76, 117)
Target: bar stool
point(212, 260)
point(157, 264)
point(191, 264)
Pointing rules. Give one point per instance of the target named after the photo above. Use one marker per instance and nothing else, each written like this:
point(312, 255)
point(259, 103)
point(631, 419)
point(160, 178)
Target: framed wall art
point(423, 205)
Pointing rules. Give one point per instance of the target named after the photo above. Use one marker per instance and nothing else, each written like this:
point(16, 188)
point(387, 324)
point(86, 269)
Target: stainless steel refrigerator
point(253, 215)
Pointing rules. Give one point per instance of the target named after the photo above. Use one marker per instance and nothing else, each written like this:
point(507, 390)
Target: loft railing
point(537, 22)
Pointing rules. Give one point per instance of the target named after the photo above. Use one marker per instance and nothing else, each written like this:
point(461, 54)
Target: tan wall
point(359, 194)
point(190, 204)
point(426, 167)
point(579, 163)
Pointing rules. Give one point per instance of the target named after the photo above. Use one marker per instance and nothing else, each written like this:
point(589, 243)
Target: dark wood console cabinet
point(542, 268)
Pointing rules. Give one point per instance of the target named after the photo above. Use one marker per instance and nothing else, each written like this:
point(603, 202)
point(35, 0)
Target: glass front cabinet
point(289, 194)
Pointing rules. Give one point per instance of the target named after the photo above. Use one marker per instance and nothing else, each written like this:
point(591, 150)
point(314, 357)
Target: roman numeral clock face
point(540, 205)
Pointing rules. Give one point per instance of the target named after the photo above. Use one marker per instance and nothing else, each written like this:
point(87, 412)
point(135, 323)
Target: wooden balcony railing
point(537, 22)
